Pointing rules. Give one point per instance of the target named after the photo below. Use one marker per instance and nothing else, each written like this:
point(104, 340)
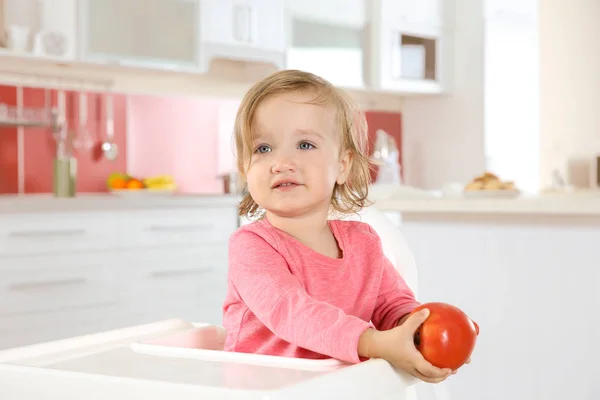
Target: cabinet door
point(411, 47)
point(56, 17)
point(328, 44)
point(149, 33)
point(337, 12)
point(188, 282)
point(419, 12)
point(270, 23)
point(256, 24)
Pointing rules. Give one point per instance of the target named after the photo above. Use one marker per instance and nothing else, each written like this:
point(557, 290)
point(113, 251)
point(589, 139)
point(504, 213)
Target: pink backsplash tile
point(176, 136)
point(190, 138)
point(9, 179)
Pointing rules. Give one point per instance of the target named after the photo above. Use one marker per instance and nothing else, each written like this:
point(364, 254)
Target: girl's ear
point(345, 166)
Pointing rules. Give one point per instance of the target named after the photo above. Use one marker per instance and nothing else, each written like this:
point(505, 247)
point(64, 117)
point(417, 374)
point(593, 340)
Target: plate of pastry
point(489, 185)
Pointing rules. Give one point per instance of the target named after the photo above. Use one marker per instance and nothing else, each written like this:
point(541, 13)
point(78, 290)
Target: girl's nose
point(283, 165)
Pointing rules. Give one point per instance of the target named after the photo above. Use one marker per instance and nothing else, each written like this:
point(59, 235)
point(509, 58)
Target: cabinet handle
point(181, 272)
point(242, 23)
point(237, 13)
point(46, 234)
point(250, 24)
point(41, 285)
point(180, 228)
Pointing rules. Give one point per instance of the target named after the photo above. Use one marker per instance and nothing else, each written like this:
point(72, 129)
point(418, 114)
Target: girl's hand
point(397, 347)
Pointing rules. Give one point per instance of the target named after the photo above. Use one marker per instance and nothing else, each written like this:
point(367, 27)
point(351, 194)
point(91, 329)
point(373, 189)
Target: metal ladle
point(109, 147)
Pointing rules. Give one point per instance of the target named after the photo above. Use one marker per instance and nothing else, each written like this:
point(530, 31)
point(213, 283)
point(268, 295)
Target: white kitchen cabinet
point(41, 283)
point(65, 232)
point(411, 46)
point(173, 282)
point(253, 24)
point(28, 328)
point(182, 35)
point(243, 30)
point(333, 12)
point(416, 12)
point(75, 272)
point(48, 22)
point(149, 228)
point(149, 33)
point(328, 38)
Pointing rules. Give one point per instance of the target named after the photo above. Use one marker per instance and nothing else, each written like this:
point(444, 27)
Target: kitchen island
point(527, 270)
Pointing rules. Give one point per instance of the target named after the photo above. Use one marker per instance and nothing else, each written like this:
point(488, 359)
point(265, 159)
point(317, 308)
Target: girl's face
point(296, 161)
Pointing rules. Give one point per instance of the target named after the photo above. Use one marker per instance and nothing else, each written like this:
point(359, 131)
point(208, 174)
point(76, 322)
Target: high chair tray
point(175, 359)
point(205, 342)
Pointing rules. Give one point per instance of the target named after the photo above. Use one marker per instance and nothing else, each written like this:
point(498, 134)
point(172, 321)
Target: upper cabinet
point(328, 38)
point(411, 45)
point(150, 33)
point(181, 34)
point(398, 46)
point(402, 46)
point(40, 28)
point(251, 30)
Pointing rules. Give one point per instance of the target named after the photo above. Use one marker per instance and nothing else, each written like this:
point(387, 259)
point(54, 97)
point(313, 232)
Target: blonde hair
point(347, 198)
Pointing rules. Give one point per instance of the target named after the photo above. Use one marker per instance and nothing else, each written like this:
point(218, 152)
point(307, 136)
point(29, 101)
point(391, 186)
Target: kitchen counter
point(108, 201)
point(513, 265)
point(565, 205)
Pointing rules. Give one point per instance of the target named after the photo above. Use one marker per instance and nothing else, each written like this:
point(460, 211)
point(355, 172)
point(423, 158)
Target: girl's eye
point(306, 146)
point(263, 149)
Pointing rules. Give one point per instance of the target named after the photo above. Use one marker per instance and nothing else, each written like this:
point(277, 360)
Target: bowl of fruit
point(124, 184)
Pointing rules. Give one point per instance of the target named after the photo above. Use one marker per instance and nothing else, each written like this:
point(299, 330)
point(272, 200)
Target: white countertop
point(575, 204)
point(568, 204)
point(108, 201)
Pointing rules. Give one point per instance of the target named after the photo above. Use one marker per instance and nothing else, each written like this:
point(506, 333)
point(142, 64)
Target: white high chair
point(396, 249)
point(183, 360)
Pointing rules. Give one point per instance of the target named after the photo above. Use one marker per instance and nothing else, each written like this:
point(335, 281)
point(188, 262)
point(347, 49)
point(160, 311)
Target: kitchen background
point(189, 138)
point(507, 86)
point(520, 106)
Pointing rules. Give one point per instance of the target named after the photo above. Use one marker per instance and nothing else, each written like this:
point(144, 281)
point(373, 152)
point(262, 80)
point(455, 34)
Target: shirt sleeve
point(395, 299)
point(265, 284)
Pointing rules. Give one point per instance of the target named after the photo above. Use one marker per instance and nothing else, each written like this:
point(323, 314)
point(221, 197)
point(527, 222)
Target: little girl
point(300, 284)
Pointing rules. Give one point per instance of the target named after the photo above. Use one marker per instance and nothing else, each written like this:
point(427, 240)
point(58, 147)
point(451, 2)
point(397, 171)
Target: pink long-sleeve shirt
point(288, 300)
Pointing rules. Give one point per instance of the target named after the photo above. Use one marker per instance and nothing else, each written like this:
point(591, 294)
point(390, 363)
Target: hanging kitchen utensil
point(109, 147)
point(84, 139)
point(64, 163)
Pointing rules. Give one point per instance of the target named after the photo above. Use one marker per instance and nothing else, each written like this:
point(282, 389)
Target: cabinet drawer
point(181, 272)
point(28, 329)
point(162, 282)
point(163, 227)
point(205, 313)
point(59, 282)
point(57, 232)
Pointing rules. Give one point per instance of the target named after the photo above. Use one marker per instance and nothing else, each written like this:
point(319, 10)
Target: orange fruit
point(135, 184)
point(120, 178)
point(118, 183)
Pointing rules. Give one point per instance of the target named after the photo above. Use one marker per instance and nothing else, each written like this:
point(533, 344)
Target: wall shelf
point(15, 117)
point(23, 123)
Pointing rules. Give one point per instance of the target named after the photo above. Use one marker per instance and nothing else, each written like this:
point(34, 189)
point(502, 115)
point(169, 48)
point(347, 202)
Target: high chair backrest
point(393, 243)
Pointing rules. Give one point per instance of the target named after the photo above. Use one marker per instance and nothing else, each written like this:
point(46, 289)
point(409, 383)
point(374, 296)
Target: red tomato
point(447, 337)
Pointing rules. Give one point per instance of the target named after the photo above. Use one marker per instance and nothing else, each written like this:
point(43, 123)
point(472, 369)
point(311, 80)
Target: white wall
point(570, 88)
point(511, 107)
point(443, 137)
